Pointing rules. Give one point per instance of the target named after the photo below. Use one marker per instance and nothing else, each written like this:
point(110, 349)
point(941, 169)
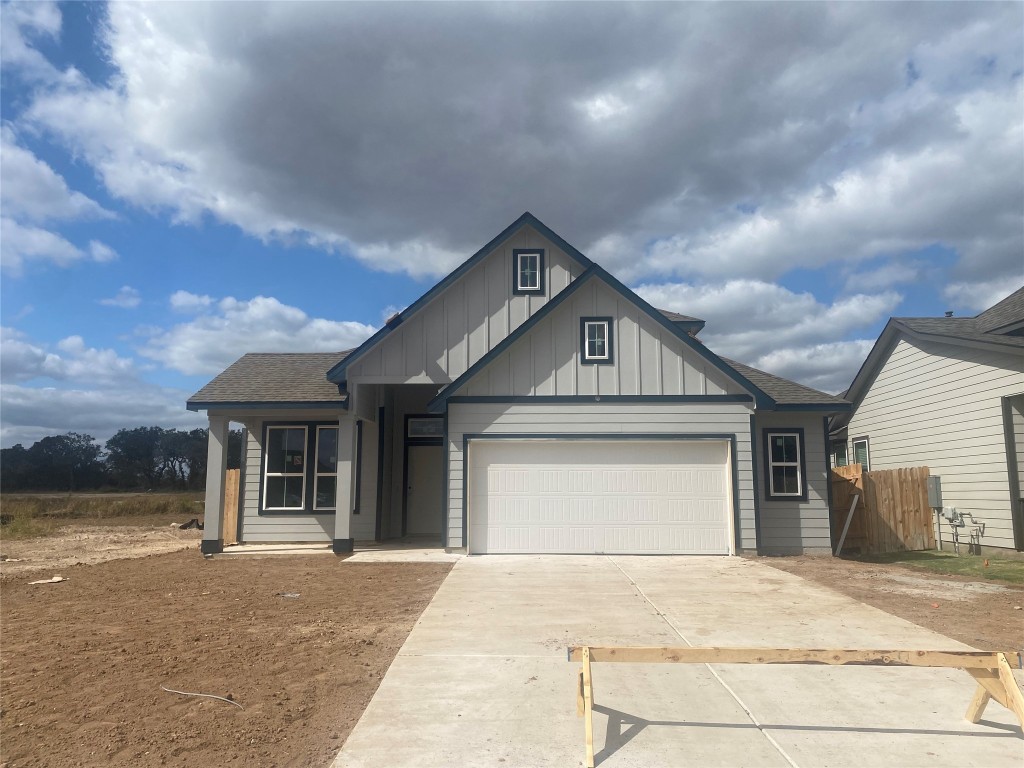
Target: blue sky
point(185, 182)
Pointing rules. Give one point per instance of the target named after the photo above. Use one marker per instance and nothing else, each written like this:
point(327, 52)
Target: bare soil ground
point(89, 542)
point(84, 660)
point(984, 614)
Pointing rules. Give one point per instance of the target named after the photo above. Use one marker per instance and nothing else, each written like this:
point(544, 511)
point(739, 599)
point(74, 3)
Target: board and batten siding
point(559, 419)
point(792, 527)
point(648, 359)
point(940, 406)
point(297, 527)
point(470, 317)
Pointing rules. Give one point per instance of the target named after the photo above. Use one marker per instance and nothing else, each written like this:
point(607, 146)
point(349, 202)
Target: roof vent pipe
point(949, 313)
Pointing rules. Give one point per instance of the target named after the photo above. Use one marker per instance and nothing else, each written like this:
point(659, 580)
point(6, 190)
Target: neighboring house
point(947, 393)
point(529, 402)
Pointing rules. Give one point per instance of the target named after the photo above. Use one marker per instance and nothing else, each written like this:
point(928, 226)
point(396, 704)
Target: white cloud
point(126, 298)
point(20, 22)
point(183, 301)
point(30, 190)
point(228, 329)
point(22, 360)
point(101, 252)
point(777, 330)
point(979, 296)
point(886, 276)
point(27, 243)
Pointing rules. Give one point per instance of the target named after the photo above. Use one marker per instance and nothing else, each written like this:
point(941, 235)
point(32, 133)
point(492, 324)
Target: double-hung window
point(839, 456)
point(284, 486)
point(527, 271)
point(784, 460)
point(596, 344)
point(861, 454)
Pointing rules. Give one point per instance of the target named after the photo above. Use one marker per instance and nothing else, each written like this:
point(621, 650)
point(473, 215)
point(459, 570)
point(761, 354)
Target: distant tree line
point(143, 458)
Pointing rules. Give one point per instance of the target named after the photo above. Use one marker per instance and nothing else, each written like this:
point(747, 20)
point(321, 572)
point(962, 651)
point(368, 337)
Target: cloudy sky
point(184, 182)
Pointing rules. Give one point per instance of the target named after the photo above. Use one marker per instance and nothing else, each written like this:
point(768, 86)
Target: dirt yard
point(300, 642)
point(983, 614)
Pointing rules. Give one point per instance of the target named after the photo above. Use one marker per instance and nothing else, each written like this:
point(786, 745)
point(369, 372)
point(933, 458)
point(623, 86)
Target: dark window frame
point(517, 289)
point(801, 446)
point(836, 445)
point(309, 498)
point(609, 323)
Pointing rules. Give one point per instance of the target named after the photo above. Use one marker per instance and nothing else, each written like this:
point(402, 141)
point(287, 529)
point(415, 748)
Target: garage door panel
point(648, 497)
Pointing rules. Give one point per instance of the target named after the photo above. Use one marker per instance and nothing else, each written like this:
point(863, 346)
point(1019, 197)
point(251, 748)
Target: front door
point(423, 490)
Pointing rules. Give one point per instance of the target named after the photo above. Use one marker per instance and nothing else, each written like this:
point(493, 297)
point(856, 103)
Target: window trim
point(866, 466)
point(266, 466)
point(609, 323)
point(309, 476)
point(517, 288)
point(801, 464)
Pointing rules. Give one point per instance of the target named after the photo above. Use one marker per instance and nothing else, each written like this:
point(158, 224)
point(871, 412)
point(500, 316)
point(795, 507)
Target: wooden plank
point(989, 680)
point(588, 705)
point(229, 529)
point(977, 706)
point(885, 658)
point(1014, 698)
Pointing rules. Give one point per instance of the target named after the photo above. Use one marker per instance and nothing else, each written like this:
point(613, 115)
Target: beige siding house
point(527, 403)
point(948, 393)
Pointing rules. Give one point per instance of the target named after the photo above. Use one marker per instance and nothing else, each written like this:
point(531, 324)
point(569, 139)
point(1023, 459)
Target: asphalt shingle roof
point(965, 328)
point(289, 377)
point(675, 317)
point(784, 391)
point(1007, 312)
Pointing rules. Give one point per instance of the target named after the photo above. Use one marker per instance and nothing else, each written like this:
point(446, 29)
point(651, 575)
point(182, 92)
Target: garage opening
point(600, 496)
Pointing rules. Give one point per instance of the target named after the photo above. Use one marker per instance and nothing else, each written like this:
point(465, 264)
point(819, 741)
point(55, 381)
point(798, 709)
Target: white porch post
point(345, 500)
point(216, 467)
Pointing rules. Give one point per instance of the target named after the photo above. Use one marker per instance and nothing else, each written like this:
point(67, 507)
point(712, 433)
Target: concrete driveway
point(482, 680)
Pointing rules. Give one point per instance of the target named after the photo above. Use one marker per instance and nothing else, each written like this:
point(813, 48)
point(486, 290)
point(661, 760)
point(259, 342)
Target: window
point(285, 483)
point(861, 454)
point(300, 468)
point(424, 427)
point(596, 345)
point(326, 475)
point(839, 458)
point(784, 460)
point(527, 271)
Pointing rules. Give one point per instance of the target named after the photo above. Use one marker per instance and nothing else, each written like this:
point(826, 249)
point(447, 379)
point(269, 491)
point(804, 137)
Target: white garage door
point(623, 497)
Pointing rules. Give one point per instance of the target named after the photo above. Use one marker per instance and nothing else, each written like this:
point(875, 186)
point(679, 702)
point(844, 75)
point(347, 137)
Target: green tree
point(136, 457)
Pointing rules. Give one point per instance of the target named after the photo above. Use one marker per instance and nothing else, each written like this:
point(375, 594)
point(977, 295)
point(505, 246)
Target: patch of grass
point(992, 567)
point(27, 516)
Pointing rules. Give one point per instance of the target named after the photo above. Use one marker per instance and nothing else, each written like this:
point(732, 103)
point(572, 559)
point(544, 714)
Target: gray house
point(527, 403)
point(948, 393)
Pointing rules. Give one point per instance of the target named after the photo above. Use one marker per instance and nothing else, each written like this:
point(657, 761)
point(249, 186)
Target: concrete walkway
point(482, 680)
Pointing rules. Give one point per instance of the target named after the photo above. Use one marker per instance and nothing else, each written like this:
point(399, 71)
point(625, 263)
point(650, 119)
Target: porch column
point(216, 467)
point(345, 500)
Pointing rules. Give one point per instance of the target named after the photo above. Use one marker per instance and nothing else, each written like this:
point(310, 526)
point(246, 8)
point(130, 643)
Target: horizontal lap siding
point(940, 406)
point(794, 527)
point(641, 418)
point(274, 528)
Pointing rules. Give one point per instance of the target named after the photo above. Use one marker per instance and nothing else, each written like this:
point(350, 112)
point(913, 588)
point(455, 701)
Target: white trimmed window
point(528, 271)
point(284, 482)
point(325, 476)
point(861, 453)
point(785, 464)
point(596, 340)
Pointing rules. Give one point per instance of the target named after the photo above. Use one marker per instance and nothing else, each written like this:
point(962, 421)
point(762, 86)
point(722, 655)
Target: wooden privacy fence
point(230, 529)
point(892, 512)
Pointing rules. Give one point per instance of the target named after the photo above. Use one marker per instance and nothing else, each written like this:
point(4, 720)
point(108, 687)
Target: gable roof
point(337, 372)
point(992, 328)
point(691, 325)
point(290, 379)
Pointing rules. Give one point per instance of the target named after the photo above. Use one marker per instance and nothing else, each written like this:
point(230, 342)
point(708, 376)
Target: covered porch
point(363, 471)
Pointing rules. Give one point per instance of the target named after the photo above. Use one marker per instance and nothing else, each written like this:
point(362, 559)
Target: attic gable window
point(528, 271)
point(596, 346)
